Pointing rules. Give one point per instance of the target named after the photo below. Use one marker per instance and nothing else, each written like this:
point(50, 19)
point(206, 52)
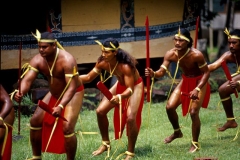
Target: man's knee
point(194, 113)
point(131, 120)
point(170, 108)
point(100, 112)
point(68, 129)
point(35, 122)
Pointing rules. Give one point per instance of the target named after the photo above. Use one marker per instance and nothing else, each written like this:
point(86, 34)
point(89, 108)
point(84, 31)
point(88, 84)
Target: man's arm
point(27, 80)
point(199, 59)
point(215, 65)
point(87, 78)
point(128, 80)
point(163, 68)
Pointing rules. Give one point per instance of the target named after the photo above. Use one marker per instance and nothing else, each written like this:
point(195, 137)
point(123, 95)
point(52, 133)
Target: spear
point(147, 58)
point(196, 34)
point(228, 75)
point(19, 84)
point(104, 90)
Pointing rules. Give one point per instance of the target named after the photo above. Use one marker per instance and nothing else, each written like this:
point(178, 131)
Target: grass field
point(150, 144)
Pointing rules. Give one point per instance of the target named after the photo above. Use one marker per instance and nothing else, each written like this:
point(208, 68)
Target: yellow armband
point(96, 71)
point(71, 75)
point(26, 67)
point(202, 65)
point(165, 68)
point(130, 90)
point(1, 119)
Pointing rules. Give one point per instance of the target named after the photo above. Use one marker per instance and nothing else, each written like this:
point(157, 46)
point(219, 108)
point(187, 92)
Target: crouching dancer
point(128, 95)
point(64, 97)
point(193, 91)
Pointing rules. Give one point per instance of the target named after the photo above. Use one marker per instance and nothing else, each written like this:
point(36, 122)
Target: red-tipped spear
point(147, 58)
point(228, 75)
point(19, 84)
point(48, 109)
point(104, 90)
point(196, 34)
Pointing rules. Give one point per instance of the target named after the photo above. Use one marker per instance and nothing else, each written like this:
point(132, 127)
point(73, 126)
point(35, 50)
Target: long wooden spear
point(196, 33)
point(147, 58)
point(19, 85)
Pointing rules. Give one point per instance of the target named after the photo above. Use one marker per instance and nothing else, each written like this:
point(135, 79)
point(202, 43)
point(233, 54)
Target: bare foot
point(177, 134)
point(128, 157)
point(227, 125)
point(100, 150)
point(194, 148)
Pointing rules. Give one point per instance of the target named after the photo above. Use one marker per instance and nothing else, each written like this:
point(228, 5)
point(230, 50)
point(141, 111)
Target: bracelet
point(60, 105)
point(154, 74)
point(1, 119)
point(120, 98)
point(198, 89)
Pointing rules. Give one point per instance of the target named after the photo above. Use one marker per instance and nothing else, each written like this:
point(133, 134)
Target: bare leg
point(36, 132)
point(36, 128)
point(173, 118)
point(36, 141)
point(196, 125)
point(71, 113)
point(172, 104)
point(103, 125)
point(224, 93)
point(71, 147)
point(132, 136)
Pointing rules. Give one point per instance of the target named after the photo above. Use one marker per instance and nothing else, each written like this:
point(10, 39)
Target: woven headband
point(38, 37)
point(107, 48)
point(181, 36)
point(230, 36)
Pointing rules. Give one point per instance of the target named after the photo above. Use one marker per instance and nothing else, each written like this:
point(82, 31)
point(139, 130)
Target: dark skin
point(71, 99)
point(190, 68)
point(126, 76)
point(227, 88)
point(6, 112)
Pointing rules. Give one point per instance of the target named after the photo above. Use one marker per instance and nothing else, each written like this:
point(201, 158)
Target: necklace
point(183, 55)
point(50, 70)
point(111, 71)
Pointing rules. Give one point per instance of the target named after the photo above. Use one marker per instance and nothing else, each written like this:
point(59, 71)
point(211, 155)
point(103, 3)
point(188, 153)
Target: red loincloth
point(56, 144)
point(116, 119)
point(189, 84)
point(8, 147)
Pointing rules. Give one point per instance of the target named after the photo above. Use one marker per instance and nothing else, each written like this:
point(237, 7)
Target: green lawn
point(150, 144)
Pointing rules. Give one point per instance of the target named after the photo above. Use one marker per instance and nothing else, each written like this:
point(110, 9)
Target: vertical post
point(147, 58)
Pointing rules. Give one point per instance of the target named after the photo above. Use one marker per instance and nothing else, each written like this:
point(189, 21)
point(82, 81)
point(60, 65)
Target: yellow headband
point(230, 36)
point(181, 36)
point(107, 48)
point(38, 37)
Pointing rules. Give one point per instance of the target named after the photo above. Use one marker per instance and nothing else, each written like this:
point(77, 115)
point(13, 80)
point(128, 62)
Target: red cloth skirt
point(8, 147)
point(57, 141)
point(116, 119)
point(189, 84)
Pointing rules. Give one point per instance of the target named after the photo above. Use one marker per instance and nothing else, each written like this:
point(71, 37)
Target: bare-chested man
point(127, 91)
point(65, 98)
point(227, 88)
point(193, 90)
point(6, 124)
